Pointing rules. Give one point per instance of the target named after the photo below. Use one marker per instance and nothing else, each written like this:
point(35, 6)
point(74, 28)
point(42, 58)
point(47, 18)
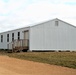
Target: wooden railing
point(22, 43)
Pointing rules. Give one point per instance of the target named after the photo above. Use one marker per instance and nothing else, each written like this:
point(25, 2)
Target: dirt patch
point(13, 66)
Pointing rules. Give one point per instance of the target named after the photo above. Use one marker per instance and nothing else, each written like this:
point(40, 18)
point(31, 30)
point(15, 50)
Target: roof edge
point(66, 22)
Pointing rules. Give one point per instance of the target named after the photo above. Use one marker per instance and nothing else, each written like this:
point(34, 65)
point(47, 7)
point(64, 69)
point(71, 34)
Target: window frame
point(1, 38)
point(18, 36)
point(7, 37)
point(12, 36)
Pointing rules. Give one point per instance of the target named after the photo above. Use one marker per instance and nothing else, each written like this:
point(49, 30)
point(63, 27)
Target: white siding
point(48, 36)
point(45, 36)
point(3, 45)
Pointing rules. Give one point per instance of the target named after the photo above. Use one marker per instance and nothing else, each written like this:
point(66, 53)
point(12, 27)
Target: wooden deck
point(18, 45)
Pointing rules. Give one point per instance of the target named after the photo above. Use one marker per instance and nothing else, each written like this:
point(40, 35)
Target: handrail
point(18, 43)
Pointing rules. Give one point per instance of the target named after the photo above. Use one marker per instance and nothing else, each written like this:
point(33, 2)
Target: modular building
point(47, 36)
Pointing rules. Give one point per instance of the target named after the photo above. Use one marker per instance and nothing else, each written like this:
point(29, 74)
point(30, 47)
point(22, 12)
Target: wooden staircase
point(19, 49)
point(18, 45)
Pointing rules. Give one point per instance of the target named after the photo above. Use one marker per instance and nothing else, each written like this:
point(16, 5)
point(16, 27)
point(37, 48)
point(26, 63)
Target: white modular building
point(47, 36)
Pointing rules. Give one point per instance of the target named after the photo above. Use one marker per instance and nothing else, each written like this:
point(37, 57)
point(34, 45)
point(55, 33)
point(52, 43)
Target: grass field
point(67, 59)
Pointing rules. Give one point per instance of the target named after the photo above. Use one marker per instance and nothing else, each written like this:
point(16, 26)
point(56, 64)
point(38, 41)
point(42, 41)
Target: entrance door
point(26, 34)
point(26, 38)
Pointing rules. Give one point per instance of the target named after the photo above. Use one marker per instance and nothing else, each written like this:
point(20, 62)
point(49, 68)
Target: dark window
point(18, 35)
point(1, 38)
point(12, 36)
point(56, 23)
point(7, 37)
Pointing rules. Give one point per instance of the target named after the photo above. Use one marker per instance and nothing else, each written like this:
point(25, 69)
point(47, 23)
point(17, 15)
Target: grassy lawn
point(67, 59)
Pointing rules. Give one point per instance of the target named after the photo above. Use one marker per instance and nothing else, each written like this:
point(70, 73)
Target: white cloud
point(20, 13)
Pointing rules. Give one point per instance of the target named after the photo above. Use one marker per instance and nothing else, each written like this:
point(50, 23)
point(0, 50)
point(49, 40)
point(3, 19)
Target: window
point(18, 35)
point(7, 37)
point(12, 36)
point(1, 38)
point(56, 23)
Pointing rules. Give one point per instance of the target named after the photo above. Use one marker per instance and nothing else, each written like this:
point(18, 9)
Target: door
point(26, 34)
point(26, 38)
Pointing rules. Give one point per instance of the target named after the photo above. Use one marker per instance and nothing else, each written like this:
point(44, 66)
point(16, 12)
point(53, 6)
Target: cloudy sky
point(21, 13)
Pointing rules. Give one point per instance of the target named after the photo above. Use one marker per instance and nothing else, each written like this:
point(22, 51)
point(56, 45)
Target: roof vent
point(56, 23)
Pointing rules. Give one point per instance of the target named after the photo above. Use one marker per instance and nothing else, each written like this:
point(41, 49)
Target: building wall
point(3, 45)
point(48, 36)
point(45, 36)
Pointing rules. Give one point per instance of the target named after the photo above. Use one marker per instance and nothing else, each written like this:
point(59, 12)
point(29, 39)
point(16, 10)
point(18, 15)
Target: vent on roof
point(56, 23)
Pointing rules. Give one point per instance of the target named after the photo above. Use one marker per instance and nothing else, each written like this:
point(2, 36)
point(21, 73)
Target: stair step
point(16, 49)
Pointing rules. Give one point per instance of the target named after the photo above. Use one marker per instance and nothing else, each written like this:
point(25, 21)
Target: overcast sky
point(21, 13)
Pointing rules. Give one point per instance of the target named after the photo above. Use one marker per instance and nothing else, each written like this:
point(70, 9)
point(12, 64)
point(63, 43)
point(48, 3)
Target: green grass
point(67, 59)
